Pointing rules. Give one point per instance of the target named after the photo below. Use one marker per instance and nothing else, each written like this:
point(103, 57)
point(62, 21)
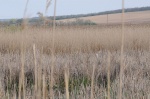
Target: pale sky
point(15, 8)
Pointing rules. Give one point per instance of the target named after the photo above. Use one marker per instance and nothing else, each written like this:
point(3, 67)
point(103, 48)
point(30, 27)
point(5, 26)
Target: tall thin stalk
point(35, 70)
point(40, 76)
point(48, 2)
point(22, 76)
point(24, 15)
point(122, 50)
point(92, 83)
point(44, 86)
point(25, 10)
point(108, 76)
point(66, 74)
point(53, 50)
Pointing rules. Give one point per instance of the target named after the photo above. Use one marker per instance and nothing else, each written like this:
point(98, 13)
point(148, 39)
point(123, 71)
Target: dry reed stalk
point(35, 70)
point(39, 77)
point(10, 71)
point(92, 83)
point(44, 87)
point(21, 78)
point(108, 77)
point(39, 84)
point(23, 84)
point(20, 85)
point(25, 10)
point(66, 74)
point(122, 50)
point(108, 70)
point(24, 16)
point(48, 2)
point(44, 90)
point(53, 50)
point(9, 81)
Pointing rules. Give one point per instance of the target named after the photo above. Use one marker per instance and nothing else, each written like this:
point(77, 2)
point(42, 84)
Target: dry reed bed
point(82, 38)
point(80, 49)
point(136, 79)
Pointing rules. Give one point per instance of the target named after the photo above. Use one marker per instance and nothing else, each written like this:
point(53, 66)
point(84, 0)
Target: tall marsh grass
point(72, 39)
point(78, 48)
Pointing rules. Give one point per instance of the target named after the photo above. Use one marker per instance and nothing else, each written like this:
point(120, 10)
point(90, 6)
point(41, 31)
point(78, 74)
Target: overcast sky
point(15, 8)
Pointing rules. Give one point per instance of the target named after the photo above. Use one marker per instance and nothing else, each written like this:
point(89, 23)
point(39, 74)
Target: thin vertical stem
point(21, 78)
point(53, 50)
point(44, 87)
point(108, 69)
point(40, 76)
point(122, 50)
point(24, 15)
point(92, 83)
point(35, 70)
point(67, 81)
point(25, 10)
point(108, 76)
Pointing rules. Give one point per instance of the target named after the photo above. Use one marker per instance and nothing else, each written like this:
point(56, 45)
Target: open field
point(81, 62)
point(130, 17)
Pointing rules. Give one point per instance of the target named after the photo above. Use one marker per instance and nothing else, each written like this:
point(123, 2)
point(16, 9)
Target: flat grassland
point(81, 62)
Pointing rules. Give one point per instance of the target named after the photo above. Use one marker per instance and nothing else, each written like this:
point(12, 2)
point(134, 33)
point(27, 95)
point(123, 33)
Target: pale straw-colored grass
point(75, 62)
point(122, 53)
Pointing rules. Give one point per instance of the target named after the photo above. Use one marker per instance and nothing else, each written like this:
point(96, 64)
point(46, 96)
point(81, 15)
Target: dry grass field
point(130, 17)
point(86, 62)
point(103, 61)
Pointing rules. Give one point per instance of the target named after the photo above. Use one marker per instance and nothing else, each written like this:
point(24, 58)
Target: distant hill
point(103, 13)
point(137, 17)
point(36, 19)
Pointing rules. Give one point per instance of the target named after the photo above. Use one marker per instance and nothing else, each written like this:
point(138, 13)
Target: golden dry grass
point(80, 48)
point(77, 62)
point(79, 38)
